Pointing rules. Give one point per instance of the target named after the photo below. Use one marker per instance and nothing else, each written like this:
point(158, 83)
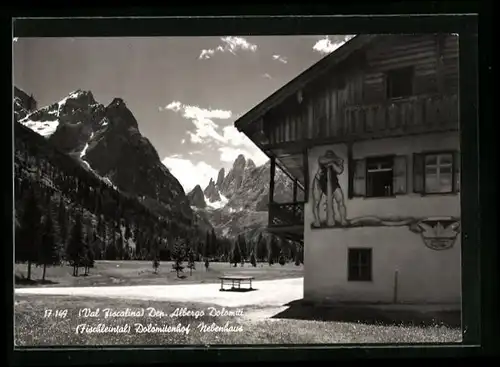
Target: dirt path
point(268, 294)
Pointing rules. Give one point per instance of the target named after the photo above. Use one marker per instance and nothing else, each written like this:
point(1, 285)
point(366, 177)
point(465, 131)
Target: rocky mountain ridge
point(108, 142)
point(237, 203)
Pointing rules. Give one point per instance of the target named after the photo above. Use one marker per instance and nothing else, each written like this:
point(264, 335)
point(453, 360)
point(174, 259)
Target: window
point(436, 173)
point(400, 83)
point(360, 264)
point(380, 176)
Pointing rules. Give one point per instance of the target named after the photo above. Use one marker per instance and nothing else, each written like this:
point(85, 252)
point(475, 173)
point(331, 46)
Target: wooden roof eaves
point(309, 75)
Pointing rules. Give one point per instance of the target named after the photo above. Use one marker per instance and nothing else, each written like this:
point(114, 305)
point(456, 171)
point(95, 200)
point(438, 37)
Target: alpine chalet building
point(370, 137)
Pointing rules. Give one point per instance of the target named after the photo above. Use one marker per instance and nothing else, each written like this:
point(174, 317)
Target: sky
point(185, 92)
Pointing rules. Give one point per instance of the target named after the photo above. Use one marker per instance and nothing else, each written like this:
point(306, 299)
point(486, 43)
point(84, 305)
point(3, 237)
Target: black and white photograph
point(230, 190)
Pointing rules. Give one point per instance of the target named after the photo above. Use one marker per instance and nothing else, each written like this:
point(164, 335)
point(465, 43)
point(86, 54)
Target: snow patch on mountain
point(73, 95)
point(44, 125)
point(44, 128)
point(217, 204)
point(82, 153)
point(108, 181)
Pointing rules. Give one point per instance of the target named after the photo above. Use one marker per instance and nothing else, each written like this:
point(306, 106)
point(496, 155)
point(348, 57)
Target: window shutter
point(418, 173)
point(457, 162)
point(400, 175)
point(359, 177)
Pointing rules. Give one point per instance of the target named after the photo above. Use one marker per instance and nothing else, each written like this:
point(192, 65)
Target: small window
point(360, 264)
point(438, 173)
point(400, 83)
point(379, 176)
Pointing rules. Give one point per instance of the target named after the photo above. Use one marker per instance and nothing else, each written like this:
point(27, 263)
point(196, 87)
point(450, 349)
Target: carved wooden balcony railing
point(286, 214)
point(427, 112)
point(415, 114)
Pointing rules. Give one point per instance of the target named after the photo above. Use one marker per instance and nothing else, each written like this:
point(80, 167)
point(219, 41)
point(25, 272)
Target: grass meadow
point(132, 272)
point(32, 327)
point(249, 325)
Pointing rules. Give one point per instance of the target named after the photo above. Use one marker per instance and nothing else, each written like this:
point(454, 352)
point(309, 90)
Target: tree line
point(64, 213)
point(271, 249)
point(42, 239)
point(54, 174)
point(52, 232)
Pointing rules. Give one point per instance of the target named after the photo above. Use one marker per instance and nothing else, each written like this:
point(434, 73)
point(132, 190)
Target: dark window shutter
point(359, 184)
point(400, 175)
point(418, 173)
point(457, 162)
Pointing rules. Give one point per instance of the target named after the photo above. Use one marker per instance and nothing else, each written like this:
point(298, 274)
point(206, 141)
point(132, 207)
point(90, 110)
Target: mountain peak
point(118, 102)
point(250, 164)
point(239, 162)
point(220, 177)
point(119, 115)
point(197, 188)
point(211, 192)
point(81, 92)
point(83, 95)
point(23, 103)
point(197, 198)
point(76, 100)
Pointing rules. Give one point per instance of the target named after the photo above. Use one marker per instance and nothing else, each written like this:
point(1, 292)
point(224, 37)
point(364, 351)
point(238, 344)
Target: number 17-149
point(55, 313)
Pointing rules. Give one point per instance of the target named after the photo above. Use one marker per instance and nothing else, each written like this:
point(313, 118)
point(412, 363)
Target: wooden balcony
point(426, 113)
point(406, 116)
point(286, 215)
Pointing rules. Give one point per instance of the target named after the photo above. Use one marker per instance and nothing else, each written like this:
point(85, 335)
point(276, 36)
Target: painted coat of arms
point(438, 233)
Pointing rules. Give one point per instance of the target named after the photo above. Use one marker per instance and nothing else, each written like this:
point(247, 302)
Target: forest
point(67, 214)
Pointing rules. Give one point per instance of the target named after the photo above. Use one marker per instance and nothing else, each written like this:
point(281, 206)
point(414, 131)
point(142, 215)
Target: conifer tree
point(120, 247)
point(206, 248)
point(297, 256)
point(207, 264)
point(62, 221)
point(252, 259)
point(270, 253)
point(88, 254)
point(262, 249)
point(274, 249)
point(178, 255)
point(75, 248)
point(28, 236)
point(191, 264)
point(236, 258)
point(155, 254)
point(49, 251)
point(213, 244)
point(128, 232)
point(281, 259)
point(243, 246)
point(258, 248)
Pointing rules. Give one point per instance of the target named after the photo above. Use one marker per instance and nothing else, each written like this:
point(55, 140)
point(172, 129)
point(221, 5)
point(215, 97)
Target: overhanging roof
point(303, 79)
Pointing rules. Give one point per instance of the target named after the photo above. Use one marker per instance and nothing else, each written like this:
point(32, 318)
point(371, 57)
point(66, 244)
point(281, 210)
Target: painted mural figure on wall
point(326, 183)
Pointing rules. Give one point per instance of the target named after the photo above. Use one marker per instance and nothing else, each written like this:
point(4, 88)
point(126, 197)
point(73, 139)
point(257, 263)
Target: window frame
point(388, 82)
point(389, 157)
point(453, 189)
point(358, 251)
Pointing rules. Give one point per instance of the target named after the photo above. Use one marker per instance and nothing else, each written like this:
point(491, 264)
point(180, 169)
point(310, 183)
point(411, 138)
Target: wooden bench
point(235, 280)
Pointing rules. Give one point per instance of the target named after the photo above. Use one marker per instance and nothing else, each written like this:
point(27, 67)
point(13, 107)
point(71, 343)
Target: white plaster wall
point(425, 275)
point(410, 204)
